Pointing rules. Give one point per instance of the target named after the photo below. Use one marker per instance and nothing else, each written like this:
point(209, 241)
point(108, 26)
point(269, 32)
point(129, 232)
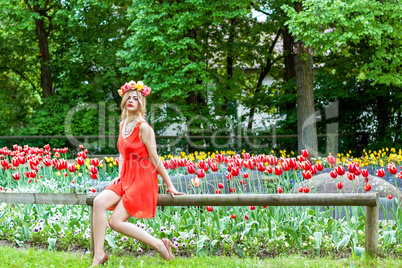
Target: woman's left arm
point(147, 136)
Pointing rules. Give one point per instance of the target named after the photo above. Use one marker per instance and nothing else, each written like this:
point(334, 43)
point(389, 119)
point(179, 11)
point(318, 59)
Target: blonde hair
point(141, 109)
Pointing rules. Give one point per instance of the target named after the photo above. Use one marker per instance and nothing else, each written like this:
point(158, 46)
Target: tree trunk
point(306, 121)
point(288, 42)
point(46, 72)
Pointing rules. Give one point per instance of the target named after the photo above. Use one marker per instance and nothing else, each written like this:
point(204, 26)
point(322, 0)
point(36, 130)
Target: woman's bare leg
point(102, 202)
point(118, 222)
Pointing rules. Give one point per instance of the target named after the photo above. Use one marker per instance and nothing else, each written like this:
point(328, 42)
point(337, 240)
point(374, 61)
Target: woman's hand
point(115, 180)
point(172, 190)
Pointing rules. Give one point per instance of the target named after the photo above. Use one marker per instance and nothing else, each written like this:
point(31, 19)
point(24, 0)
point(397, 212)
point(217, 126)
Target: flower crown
point(139, 86)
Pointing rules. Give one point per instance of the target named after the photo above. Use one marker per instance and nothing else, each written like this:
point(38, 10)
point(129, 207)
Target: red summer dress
point(138, 185)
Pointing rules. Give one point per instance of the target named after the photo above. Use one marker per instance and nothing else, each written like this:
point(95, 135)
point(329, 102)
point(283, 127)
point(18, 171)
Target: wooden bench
point(369, 200)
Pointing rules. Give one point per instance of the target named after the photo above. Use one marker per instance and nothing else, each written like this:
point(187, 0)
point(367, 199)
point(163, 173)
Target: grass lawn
point(29, 257)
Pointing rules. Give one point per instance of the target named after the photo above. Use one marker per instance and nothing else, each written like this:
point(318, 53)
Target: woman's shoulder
point(144, 124)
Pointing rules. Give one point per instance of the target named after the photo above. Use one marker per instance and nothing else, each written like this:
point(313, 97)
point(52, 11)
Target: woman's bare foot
point(99, 259)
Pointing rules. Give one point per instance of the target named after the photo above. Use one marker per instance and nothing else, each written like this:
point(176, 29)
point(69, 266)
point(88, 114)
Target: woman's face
point(132, 104)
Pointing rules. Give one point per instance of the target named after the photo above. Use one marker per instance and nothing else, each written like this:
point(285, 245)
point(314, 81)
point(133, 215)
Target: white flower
point(286, 244)
point(304, 244)
point(360, 232)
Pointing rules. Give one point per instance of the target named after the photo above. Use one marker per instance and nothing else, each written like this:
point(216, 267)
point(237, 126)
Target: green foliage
point(368, 28)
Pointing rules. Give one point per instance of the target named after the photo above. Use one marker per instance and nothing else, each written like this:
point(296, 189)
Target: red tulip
point(313, 170)
point(246, 217)
point(305, 153)
point(229, 176)
point(252, 207)
point(214, 167)
point(233, 216)
point(235, 171)
point(220, 185)
point(245, 175)
point(217, 191)
point(47, 162)
point(358, 172)
point(93, 176)
point(16, 176)
point(300, 189)
point(210, 208)
point(333, 174)
point(71, 167)
point(173, 164)
point(279, 190)
point(300, 158)
point(191, 169)
point(72, 181)
point(285, 165)
point(306, 189)
point(380, 173)
point(306, 174)
point(365, 173)
point(392, 168)
point(79, 161)
point(81, 147)
point(339, 170)
point(202, 164)
point(219, 158)
point(249, 164)
point(367, 187)
point(319, 167)
point(239, 163)
point(277, 171)
point(93, 169)
point(22, 160)
point(246, 156)
point(232, 190)
point(260, 167)
point(269, 170)
point(352, 167)
point(200, 173)
point(95, 162)
point(390, 196)
point(340, 185)
point(93, 190)
point(272, 160)
point(331, 160)
point(351, 176)
point(15, 161)
point(306, 165)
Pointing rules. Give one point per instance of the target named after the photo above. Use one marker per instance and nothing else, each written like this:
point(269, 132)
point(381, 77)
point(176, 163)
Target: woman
point(134, 193)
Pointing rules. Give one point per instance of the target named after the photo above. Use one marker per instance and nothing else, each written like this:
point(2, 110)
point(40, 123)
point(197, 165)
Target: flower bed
point(252, 230)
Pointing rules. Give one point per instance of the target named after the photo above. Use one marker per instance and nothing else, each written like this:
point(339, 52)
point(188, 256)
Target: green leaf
point(359, 251)
point(52, 243)
point(343, 242)
point(292, 233)
point(110, 240)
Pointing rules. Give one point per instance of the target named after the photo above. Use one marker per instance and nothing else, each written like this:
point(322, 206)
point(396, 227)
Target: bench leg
point(91, 218)
point(372, 230)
